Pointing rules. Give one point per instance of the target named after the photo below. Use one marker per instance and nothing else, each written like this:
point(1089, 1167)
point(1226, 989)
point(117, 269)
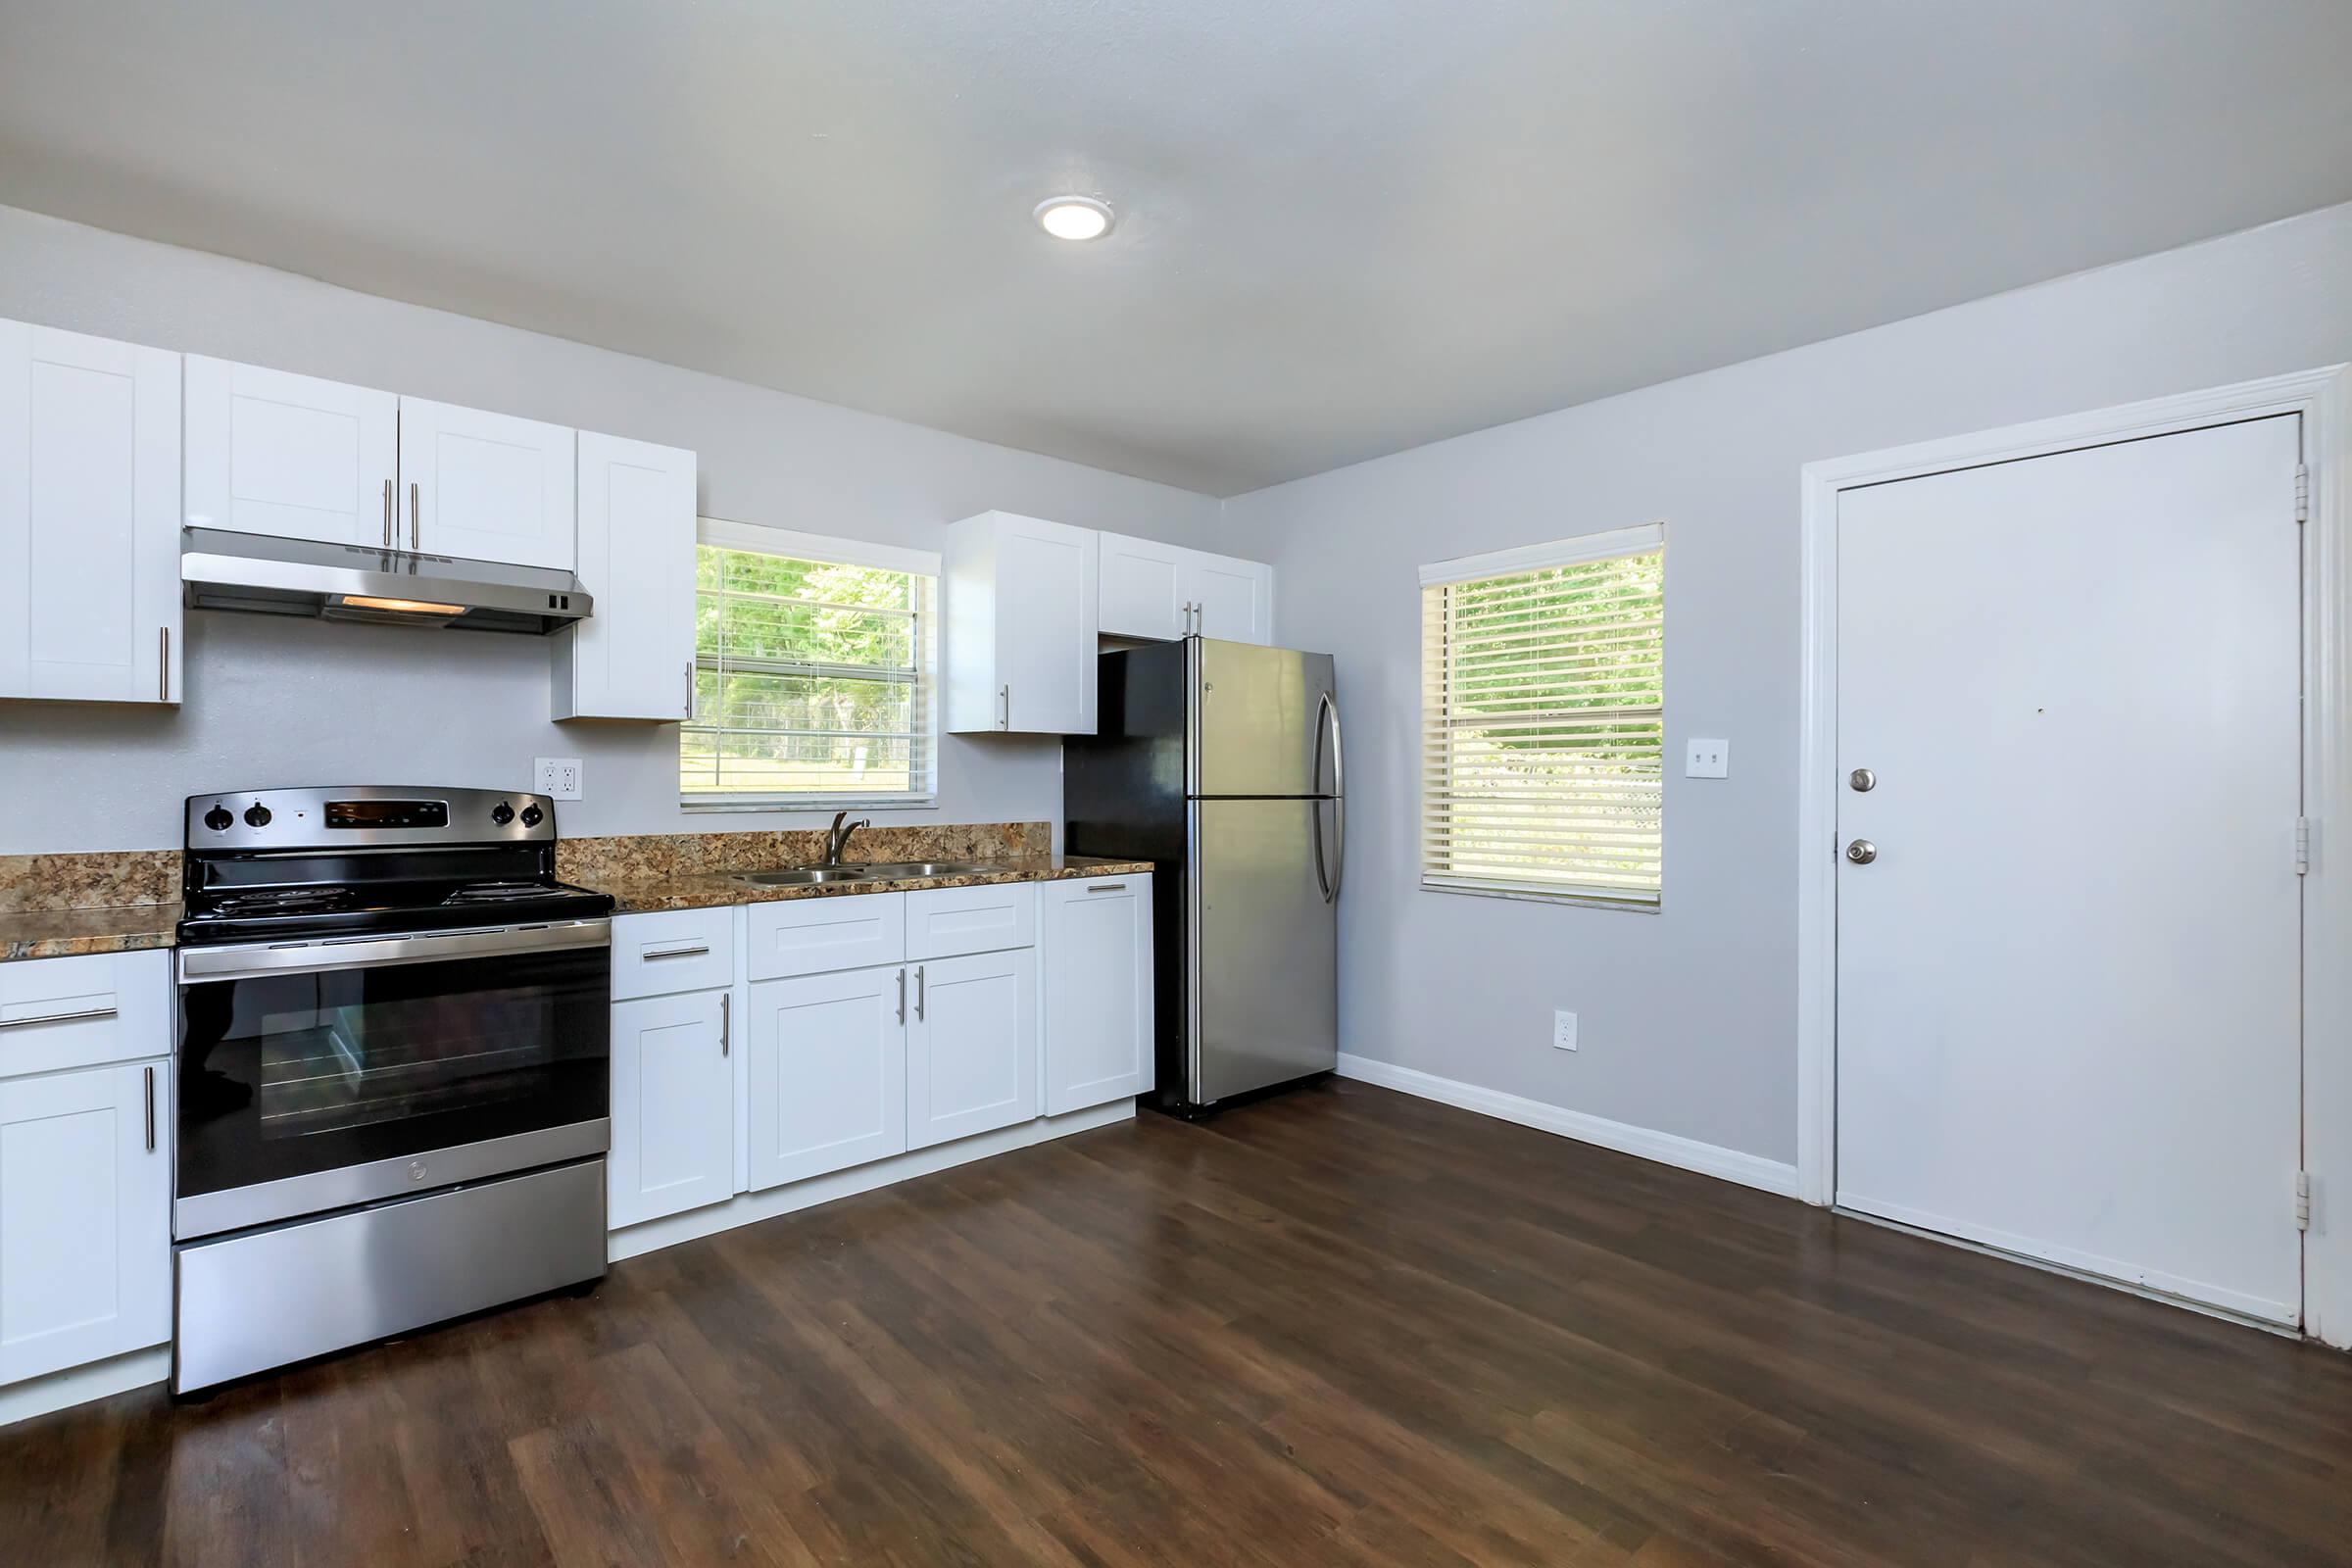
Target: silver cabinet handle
point(150, 1110)
point(727, 1021)
point(1107, 887)
point(684, 949)
point(74, 1016)
point(413, 527)
point(690, 688)
point(388, 539)
point(1004, 696)
point(901, 995)
point(919, 990)
point(163, 664)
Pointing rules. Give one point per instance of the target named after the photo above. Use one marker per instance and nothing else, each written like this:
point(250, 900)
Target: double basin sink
point(865, 872)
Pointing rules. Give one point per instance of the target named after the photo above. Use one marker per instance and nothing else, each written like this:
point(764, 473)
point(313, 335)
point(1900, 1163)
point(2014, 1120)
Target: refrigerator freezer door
point(1264, 973)
point(1256, 718)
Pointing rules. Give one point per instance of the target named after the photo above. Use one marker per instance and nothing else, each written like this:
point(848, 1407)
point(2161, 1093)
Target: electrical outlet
point(1708, 760)
point(559, 777)
point(1563, 1030)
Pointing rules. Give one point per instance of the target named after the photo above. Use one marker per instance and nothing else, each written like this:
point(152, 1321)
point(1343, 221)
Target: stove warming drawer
point(249, 1302)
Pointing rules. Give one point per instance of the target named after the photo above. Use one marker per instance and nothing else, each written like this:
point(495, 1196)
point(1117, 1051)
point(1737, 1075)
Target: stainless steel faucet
point(837, 837)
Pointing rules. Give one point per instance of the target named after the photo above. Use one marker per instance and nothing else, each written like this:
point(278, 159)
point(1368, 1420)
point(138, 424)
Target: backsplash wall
point(278, 702)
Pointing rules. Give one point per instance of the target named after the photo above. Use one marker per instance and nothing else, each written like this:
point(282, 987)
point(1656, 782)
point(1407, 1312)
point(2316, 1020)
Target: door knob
point(1861, 851)
point(1863, 780)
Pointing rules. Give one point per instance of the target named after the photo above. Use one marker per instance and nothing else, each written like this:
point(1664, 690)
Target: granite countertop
point(709, 890)
point(76, 933)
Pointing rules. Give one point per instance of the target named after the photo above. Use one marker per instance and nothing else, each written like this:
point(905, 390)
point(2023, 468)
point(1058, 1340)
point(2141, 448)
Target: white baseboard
point(79, 1385)
point(748, 1208)
point(1687, 1154)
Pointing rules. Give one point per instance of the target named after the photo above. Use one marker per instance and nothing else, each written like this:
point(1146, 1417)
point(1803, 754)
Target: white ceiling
point(1345, 226)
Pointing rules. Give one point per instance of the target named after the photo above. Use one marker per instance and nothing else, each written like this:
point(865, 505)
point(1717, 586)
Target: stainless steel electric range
point(393, 1069)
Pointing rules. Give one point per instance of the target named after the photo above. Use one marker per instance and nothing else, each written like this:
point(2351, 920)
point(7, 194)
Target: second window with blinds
point(1543, 696)
point(814, 672)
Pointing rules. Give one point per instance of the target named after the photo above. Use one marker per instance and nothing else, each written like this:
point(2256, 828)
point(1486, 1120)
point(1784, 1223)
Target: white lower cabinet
point(85, 1215)
point(971, 1046)
point(673, 1106)
point(1095, 937)
point(826, 1075)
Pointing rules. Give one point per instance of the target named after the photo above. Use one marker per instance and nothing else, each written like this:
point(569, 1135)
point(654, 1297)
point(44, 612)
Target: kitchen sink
point(802, 876)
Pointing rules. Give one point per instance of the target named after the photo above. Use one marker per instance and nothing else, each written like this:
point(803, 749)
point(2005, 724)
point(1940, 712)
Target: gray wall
point(1688, 1015)
point(278, 702)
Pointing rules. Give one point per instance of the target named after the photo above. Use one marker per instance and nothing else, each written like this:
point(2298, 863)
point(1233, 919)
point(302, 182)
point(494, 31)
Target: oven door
point(321, 1075)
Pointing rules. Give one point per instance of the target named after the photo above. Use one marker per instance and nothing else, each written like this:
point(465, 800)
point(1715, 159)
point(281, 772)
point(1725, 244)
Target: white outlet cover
point(1563, 1030)
point(1707, 758)
point(559, 777)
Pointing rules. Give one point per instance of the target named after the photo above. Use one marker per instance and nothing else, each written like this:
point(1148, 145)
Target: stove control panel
point(366, 817)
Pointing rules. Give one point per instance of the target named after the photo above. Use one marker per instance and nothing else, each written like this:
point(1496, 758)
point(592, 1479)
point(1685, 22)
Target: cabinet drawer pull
point(688, 949)
point(1107, 887)
point(150, 1110)
point(75, 1015)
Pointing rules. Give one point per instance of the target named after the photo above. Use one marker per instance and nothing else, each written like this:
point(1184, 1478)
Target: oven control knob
point(501, 813)
point(218, 819)
point(257, 816)
point(532, 817)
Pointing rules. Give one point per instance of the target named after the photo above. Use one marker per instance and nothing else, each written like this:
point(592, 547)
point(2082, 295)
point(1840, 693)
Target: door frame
point(2324, 399)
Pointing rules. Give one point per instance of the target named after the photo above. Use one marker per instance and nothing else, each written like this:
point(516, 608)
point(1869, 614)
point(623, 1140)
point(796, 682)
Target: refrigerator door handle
point(1339, 801)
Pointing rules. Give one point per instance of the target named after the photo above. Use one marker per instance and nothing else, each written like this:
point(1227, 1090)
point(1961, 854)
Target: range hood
point(276, 576)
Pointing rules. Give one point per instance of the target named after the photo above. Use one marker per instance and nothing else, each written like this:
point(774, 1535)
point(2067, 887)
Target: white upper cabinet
point(1021, 625)
point(633, 656)
point(272, 453)
point(486, 486)
point(1163, 592)
point(89, 518)
point(1142, 589)
point(1231, 599)
point(290, 455)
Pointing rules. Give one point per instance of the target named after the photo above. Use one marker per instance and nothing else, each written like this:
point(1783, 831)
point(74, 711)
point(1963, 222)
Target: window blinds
point(1544, 719)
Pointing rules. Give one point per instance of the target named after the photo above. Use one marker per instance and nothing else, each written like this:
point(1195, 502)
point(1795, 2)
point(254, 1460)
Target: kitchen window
point(815, 671)
point(1543, 697)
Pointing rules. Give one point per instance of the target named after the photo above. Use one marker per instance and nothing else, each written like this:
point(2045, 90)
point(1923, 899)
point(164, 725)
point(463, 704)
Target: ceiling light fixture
point(1073, 218)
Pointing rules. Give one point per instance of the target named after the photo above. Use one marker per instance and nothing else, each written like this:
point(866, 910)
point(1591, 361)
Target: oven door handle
point(255, 961)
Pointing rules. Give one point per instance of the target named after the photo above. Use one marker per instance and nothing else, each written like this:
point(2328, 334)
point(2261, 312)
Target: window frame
point(721, 533)
point(1615, 543)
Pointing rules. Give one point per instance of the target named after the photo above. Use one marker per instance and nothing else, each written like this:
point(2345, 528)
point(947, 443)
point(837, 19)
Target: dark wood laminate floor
point(1345, 1327)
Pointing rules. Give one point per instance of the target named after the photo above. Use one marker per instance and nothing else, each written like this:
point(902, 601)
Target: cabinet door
point(674, 1107)
point(85, 1216)
point(89, 518)
point(289, 455)
point(1096, 945)
point(1045, 627)
point(1140, 594)
point(827, 1074)
point(1235, 598)
point(486, 486)
point(633, 656)
point(972, 1046)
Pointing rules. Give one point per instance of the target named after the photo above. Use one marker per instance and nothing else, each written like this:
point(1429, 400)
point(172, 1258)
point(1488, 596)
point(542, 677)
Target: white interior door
point(2069, 987)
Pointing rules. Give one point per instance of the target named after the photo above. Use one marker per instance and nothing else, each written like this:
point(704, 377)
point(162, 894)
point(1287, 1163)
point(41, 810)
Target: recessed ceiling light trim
point(1074, 217)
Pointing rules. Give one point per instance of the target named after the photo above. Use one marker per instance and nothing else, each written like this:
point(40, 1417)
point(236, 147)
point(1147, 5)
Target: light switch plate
point(1708, 758)
point(559, 777)
point(1563, 1030)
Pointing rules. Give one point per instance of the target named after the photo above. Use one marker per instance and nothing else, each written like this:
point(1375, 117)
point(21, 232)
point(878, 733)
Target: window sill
point(1584, 901)
point(818, 803)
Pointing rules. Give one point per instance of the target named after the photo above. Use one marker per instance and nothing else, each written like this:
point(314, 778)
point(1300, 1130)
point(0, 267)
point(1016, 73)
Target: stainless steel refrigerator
point(1220, 762)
